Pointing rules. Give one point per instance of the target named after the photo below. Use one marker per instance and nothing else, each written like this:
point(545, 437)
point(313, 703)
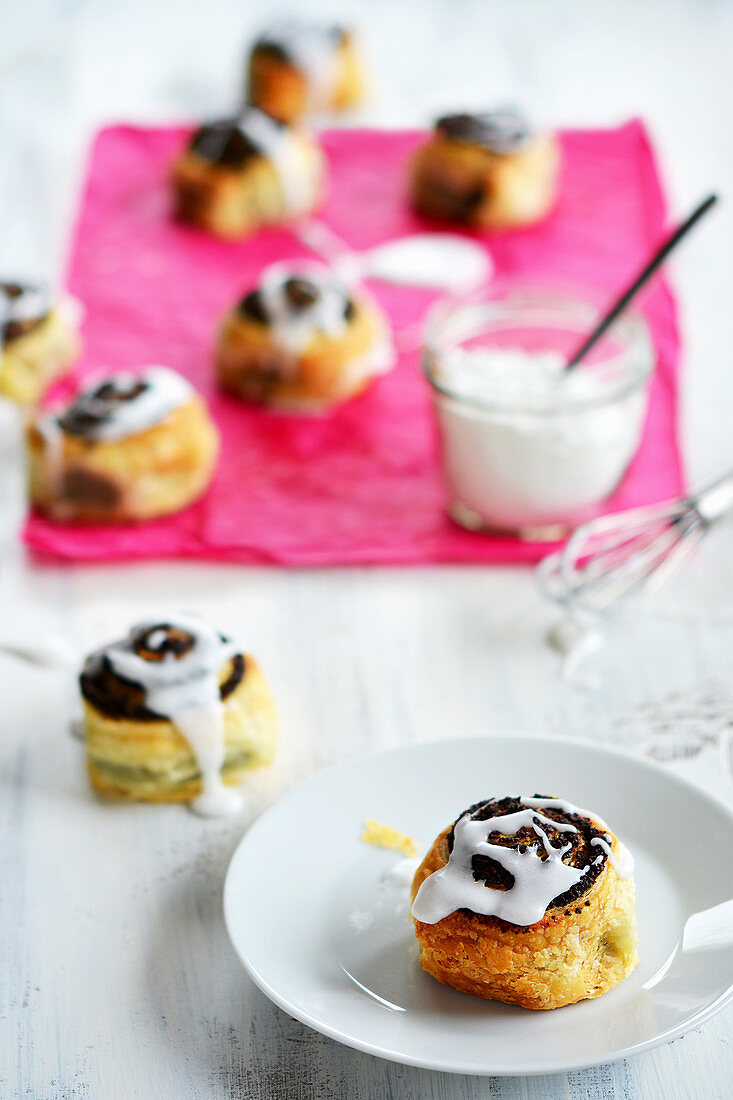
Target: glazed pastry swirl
point(296, 305)
point(232, 143)
point(121, 692)
point(22, 308)
point(514, 858)
point(502, 131)
point(171, 671)
point(122, 405)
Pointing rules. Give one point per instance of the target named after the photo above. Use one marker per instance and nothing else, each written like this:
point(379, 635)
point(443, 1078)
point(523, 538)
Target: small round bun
point(301, 341)
point(138, 753)
point(38, 340)
point(120, 454)
point(487, 171)
point(296, 69)
point(583, 944)
point(237, 175)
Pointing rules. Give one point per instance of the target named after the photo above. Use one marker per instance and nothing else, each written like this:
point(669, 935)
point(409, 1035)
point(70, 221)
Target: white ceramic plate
point(329, 942)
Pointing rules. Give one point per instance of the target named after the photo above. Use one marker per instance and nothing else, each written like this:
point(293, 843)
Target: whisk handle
point(715, 500)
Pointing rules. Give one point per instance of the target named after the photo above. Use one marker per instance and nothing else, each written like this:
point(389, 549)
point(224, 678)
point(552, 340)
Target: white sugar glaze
point(623, 862)
point(185, 690)
point(289, 155)
point(536, 880)
point(32, 303)
point(294, 328)
point(165, 391)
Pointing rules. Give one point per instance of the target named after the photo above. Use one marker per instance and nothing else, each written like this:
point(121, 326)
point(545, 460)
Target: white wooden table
point(116, 976)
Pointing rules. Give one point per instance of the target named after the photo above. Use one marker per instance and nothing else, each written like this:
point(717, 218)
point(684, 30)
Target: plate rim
point(392, 1055)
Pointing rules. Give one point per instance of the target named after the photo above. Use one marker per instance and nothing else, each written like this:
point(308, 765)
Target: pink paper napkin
point(362, 485)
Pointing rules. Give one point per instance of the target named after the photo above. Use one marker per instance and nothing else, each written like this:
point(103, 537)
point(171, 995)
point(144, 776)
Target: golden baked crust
point(459, 181)
point(252, 365)
point(236, 202)
point(282, 90)
point(152, 473)
point(31, 361)
point(151, 761)
point(578, 951)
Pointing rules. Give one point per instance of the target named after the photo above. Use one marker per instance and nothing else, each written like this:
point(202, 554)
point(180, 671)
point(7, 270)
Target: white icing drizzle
point(623, 862)
point(165, 390)
point(313, 50)
point(292, 327)
point(32, 303)
point(536, 880)
point(564, 806)
point(289, 155)
point(185, 690)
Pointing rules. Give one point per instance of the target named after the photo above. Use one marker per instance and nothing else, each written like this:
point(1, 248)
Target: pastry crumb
point(384, 836)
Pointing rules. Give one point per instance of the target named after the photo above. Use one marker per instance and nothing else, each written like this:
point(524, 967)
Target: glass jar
point(528, 448)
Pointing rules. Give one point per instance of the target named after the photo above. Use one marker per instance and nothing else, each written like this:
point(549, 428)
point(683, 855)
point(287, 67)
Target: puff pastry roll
point(527, 900)
point(175, 712)
point(239, 174)
point(38, 340)
point(300, 67)
point(301, 340)
point(131, 447)
point(490, 171)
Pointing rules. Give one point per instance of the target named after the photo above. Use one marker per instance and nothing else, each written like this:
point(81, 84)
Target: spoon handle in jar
point(657, 259)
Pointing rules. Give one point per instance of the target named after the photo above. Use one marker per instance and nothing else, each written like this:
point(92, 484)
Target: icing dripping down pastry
point(537, 876)
point(623, 863)
point(177, 664)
